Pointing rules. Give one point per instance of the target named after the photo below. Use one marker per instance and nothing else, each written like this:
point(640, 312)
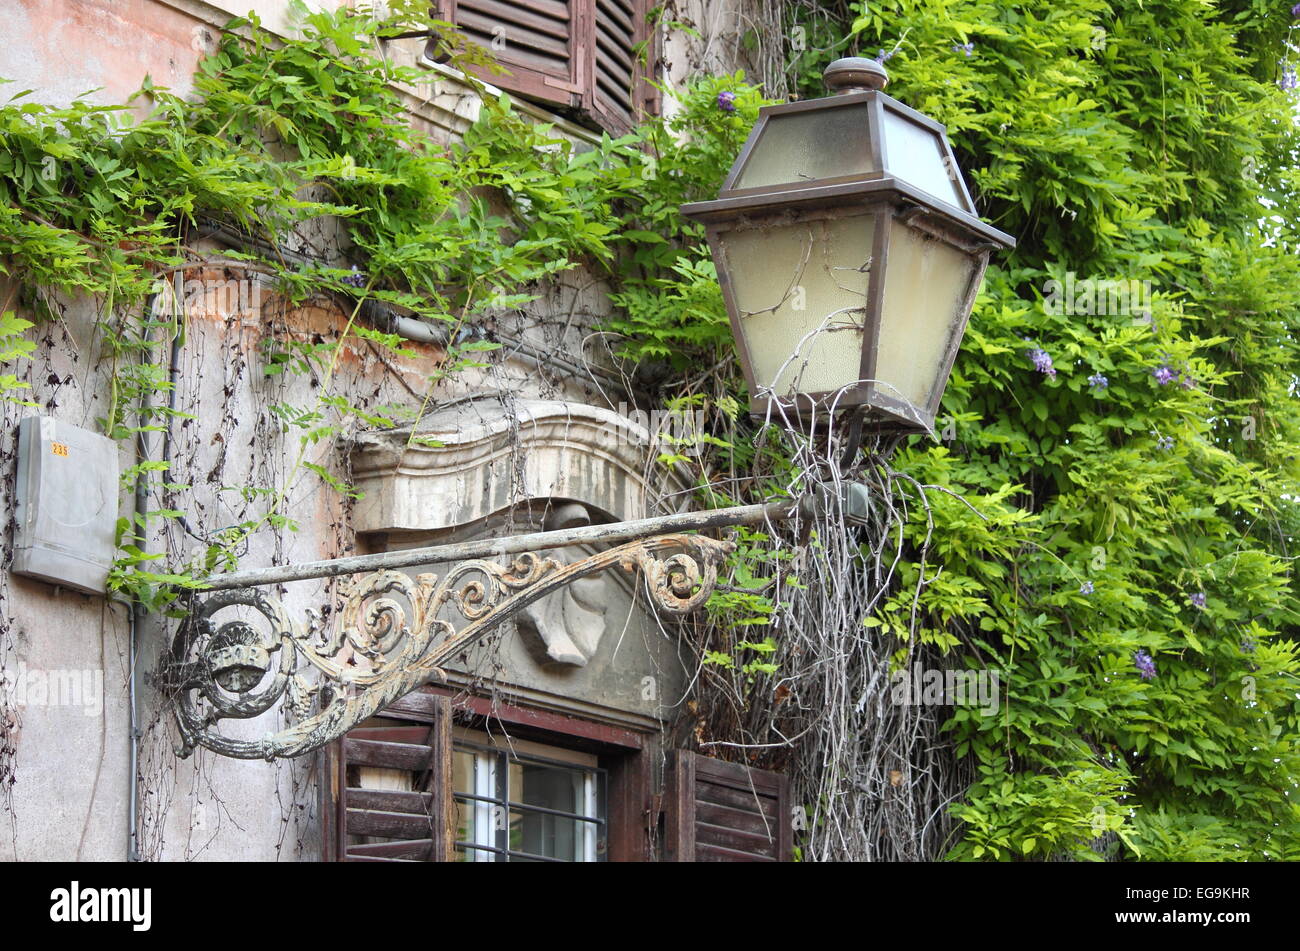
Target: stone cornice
point(493, 455)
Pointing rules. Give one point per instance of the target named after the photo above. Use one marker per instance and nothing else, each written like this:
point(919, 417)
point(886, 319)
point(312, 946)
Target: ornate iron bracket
point(394, 634)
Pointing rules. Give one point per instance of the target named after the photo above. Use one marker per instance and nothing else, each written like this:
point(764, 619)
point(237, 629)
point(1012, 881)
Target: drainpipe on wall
point(138, 612)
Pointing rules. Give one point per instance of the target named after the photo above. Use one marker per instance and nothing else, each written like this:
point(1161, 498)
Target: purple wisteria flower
point(967, 48)
point(884, 56)
point(1145, 665)
point(1098, 381)
point(1295, 10)
point(356, 278)
point(1165, 374)
point(1165, 443)
point(1198, 599)
point(1248, 646)
point(1086, 588)
point(1042, 362)
point(727, 101)
point(1288, 80)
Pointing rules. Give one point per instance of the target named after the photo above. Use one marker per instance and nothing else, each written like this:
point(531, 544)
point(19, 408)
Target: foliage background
point(1133, 471)
point(1127, 142)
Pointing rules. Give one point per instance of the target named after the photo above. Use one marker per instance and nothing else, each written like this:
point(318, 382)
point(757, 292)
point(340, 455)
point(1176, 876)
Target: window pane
point(464, 828)
point(547, 786)
point(558, 789)
point(515, 801)
point(542, 834)
point(462, 771)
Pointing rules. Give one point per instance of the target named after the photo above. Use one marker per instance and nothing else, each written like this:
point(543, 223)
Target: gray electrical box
point(67, 504)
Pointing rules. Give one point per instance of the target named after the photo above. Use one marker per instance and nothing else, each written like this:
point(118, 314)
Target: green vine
point(281, 135)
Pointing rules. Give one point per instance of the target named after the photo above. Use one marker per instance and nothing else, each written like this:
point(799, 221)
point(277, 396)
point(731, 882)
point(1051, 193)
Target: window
point(516, 784)
point(524, 802)
point(590, 58)
point(500, 784)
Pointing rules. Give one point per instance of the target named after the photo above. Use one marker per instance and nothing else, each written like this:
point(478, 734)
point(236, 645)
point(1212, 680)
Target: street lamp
point(849, 255)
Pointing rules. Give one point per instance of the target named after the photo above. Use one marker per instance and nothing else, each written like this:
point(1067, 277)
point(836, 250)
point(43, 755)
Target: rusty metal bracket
point(239, 654)
point(394, 634)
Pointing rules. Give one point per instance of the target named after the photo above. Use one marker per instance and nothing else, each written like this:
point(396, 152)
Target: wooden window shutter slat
point(725, 812)
point(597, 55)
point(537, 41)
point(394, 783)
point(622, 13)
point(619, 92)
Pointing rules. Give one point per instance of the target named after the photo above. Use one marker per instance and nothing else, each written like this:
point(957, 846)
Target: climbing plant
point(278, 137)
point(1117, 451)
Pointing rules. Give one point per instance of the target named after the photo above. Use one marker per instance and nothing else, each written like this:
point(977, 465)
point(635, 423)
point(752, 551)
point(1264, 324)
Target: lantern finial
point(854, 74)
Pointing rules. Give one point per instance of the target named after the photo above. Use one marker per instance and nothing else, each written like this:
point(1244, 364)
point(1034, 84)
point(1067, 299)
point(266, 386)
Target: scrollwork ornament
point(680, 583)
point(389, 639)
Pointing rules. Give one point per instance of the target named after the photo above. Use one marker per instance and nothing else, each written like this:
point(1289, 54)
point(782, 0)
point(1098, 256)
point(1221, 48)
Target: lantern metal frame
point(884, 197)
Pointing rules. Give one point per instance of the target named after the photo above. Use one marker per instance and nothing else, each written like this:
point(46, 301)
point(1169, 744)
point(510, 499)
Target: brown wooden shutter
point(538, 41)
point(415, 822)
point(725, 812)
point(575, 53)
point(619, 92)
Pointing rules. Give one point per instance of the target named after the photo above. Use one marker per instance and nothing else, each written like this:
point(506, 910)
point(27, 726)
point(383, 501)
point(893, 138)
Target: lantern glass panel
point(800, 147)
point(800, 290)
point(916, 155)
point(926, 284)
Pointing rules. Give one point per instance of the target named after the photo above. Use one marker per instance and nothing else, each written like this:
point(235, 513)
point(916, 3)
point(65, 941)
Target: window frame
point(491, 791)
point(626, 756)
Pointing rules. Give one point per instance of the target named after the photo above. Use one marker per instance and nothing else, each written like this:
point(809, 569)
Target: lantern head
point(849, 254)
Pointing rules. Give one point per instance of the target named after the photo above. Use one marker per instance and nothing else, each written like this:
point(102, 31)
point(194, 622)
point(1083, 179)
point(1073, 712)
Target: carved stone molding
point(483, 456)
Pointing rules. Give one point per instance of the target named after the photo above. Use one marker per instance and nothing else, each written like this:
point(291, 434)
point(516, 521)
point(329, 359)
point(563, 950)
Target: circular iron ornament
point(236, 658)
point(220, 667)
